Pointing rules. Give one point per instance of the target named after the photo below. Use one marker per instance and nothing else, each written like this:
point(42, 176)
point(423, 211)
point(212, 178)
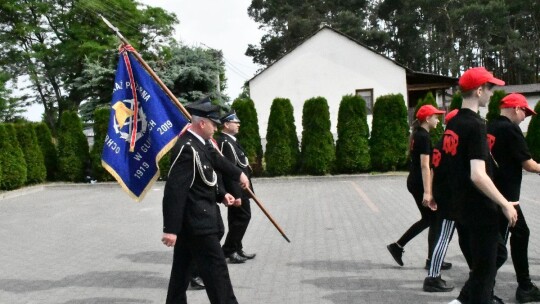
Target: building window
point(367, 95)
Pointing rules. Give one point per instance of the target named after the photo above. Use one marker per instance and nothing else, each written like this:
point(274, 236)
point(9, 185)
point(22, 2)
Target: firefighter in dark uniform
point(192, 222)
point(238, 218)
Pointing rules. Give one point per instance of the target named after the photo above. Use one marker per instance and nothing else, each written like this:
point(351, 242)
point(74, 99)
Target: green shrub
point(494, 105)
point(282, 150)
point(457, 100)
point(12, 159)
point(249, 136)
point(436, 133)
point(46, 144)
point(73, 154)
point(318, 152)
point(533, 134)
point(101, 125)
point(36, 172)
point(164, 165)
point(390, 133)
point(352, 146)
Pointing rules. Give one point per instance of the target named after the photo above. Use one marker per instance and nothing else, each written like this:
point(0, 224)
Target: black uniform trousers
point(206, 252)
point(484, 251)
point(428, 220)
point(519, 246)
point(238, 219)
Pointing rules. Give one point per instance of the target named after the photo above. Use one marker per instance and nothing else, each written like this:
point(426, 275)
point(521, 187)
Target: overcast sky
point(219, 24)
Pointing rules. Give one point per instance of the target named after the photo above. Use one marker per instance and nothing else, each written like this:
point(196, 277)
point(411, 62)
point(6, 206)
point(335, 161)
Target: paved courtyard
point(83, 244)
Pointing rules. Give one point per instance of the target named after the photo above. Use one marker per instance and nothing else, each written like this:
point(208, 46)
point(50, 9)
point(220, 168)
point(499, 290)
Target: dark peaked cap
point(205, 108)
point(230, 117)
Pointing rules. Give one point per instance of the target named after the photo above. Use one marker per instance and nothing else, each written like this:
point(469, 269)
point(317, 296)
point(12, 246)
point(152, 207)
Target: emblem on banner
point(124, 116)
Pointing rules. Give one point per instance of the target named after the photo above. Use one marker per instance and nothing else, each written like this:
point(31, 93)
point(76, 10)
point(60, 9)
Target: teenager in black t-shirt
point(473, 197)
point(511, 153)
point(419, 181)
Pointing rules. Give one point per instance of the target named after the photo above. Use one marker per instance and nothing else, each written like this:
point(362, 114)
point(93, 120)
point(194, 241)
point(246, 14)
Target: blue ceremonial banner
point(143, 126)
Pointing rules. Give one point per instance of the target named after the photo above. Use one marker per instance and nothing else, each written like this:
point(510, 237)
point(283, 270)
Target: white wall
point(328, 65)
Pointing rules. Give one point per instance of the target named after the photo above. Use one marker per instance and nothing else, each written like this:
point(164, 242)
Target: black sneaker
point(528, 295)
point(444, 266)
point(436, 285)
point(396, 252)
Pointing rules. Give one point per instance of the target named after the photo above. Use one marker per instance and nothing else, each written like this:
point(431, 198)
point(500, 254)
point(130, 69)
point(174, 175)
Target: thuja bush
point(282, 152)
point(48, 148)
point(36, 172)
point(13, 164)
point(494, 105)
point(73, 154)
point(249, 136)
point(317, 149)
point(390, 133)
point(352, 146)
point(101, 125)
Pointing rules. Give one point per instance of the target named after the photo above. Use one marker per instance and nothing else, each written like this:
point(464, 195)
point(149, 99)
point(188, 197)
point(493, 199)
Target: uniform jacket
point(234, 152)
point(191, 190)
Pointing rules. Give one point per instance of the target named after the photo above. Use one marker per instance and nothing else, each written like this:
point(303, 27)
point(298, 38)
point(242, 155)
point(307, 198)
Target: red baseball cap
point(427, 110)
point(475, 77)
point(515, 100)
point(450, 115)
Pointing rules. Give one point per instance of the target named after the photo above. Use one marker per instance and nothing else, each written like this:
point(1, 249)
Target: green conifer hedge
point(494, 105)
point(249, 136)
point(352, 146)
point(390, 133)
point(282, 152)
point(457, 100)
point(533, 134)
point(36, 172)
point(101, 125)
point(46, 144)
point(12, 159)
point(318, 151)
point(73, 154)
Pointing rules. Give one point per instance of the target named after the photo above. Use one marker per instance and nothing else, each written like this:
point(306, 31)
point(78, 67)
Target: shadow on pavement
point(107, 279)
point(150, 257)
point(107, 301)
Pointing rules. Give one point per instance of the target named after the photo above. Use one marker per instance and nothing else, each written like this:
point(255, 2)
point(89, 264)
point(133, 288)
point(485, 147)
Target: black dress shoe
point(196, 283)
point(235, 258)
point(436, 285)
point(444, 266)
point(248, 256)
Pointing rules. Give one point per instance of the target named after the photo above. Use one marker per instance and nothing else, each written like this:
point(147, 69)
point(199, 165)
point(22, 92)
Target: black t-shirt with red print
point(509, 150)
point(420, 144)
point(464, 139)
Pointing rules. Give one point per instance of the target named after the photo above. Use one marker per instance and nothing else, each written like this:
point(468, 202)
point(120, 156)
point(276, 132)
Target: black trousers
point(519, 246)
point(206, 252)
point(428, 220)
point(238, 219)
point(484, 251)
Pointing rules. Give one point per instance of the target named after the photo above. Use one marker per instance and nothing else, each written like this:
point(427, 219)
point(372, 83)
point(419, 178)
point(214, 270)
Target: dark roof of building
point(522, 88)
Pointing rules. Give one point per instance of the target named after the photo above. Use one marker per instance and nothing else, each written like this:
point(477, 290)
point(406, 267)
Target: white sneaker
point(456, 301)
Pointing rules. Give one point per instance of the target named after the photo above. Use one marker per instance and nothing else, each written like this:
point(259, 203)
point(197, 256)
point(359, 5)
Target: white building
point(331, 64)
